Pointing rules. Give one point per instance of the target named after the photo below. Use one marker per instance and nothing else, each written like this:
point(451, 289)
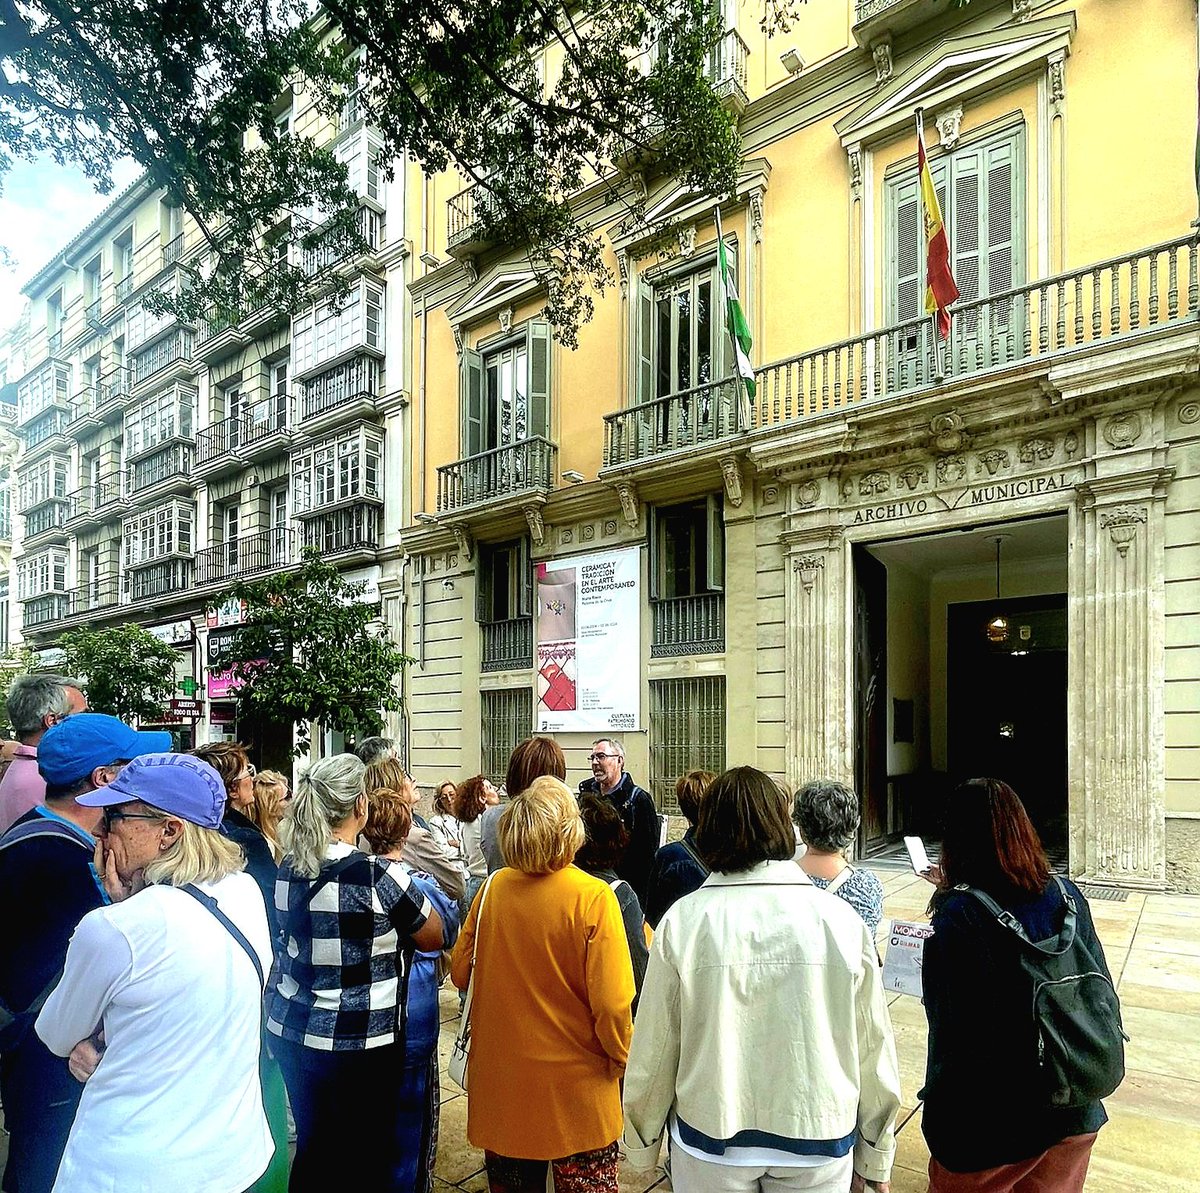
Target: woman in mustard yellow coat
point(550, 1016)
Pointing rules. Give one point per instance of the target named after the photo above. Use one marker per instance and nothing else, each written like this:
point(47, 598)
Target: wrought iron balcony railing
point(330, 251)
point(688, 625)
point(267, 551)
point(500, 472)
point(507, 645)
point(104, 592)
point(1111, 301)
point(166, 352)
point(172, 250)
point(93, 498)
point(353, 528)
point(341, 385)
point(261, 420)
point(162, 578)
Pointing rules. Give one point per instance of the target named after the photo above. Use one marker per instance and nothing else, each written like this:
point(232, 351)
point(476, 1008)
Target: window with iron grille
point(507, 719)
point(687, 732)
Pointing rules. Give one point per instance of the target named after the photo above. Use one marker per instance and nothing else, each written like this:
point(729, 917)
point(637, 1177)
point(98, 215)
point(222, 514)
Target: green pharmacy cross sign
point(188, 687)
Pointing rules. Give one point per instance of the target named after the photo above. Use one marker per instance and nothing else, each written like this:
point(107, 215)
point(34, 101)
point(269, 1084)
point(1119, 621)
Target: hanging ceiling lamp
point(997, 626)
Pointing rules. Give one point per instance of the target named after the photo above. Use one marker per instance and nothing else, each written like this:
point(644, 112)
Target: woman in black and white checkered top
point(337, 992)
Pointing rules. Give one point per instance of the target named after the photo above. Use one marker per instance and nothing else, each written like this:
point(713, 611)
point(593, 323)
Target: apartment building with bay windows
point(162, 461)
point(906, 560)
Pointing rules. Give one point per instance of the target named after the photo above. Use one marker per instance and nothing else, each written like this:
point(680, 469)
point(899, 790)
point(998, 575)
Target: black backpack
point(1075, 1009)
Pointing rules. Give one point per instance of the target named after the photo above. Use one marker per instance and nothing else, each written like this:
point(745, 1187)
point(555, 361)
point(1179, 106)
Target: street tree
point(312, 653)
point(190, 89)
point(126, 671)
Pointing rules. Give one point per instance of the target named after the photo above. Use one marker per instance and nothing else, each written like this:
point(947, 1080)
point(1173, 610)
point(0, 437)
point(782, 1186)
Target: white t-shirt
point(176, 1101)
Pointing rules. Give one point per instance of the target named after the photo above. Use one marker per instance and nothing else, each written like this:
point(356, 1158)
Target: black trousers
point(40, 1098)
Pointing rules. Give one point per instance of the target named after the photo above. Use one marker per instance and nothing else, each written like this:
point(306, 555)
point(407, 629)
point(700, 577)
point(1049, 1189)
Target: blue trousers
point(367, 1097)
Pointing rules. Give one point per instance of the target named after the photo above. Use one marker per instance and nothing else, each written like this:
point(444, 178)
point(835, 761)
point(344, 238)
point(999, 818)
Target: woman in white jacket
point(762, 1042)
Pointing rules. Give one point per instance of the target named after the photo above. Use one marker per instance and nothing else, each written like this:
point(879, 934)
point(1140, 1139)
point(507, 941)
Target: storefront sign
point(173, 633)
point(230, 612)
point(185, 710)
point(222, 685)
point(973, 495)
point(589, 643)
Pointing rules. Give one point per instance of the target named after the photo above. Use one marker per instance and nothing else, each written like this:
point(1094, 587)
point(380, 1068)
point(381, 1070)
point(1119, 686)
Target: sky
point(42, 207)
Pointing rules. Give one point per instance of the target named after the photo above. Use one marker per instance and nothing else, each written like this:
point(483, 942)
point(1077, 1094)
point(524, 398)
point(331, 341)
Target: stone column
point(1117, 668)
point(820, 729)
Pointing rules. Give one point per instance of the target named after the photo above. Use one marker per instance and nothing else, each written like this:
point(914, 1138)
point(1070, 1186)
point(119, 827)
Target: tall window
point(506, 718)
point(982, 199)
point(506, 392)
point(341, 468)
point(123, 261)
point(687, 549)
point(687, 732)
point(505, 587)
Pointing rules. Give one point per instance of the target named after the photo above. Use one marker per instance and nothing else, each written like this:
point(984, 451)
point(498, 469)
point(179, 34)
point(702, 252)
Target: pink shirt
point(22, 787)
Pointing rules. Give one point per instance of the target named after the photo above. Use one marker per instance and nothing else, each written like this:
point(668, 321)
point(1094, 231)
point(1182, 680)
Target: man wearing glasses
point(610, 779)
point(49, 880)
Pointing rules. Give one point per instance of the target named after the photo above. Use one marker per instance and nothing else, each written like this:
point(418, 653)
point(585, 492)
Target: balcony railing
point(166, 352)
point(264, 552)
point(330, 251)
point(174, 461)
point(355, 528)
point(497, 473)
point(114, 386)
point(172, 250)
point(678, 421)
point(44, 610)
point(341, 385)
point(467, 212)
point(102, 593)
point(54, 341)
point(52, 423)
point(727, 67)
point(688, 625)
point(507, 645)
point(50, 515)
point(91, 315)
point(93, 498)
point(1109, 302)
point(123, 287)
point(260, 421)
point(159, 579)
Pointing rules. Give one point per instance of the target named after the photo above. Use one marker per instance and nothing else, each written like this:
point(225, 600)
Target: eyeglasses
point(601, 757)
point(111, 815)
point(249, 773)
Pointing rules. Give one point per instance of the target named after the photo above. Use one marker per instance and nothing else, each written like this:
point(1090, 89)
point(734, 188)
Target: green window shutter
point(523, 570)
point(965, 225)
point(471, 383)
point(654, 545)
point(905, 264)
point(539, 379)
point(715, 543)
point(645, 342)
point(1001, 196)
point(484, 580)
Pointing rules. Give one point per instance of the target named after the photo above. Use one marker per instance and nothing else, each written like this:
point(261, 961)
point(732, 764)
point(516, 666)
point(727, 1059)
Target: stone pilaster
point(1117, 758)
point(819, 719)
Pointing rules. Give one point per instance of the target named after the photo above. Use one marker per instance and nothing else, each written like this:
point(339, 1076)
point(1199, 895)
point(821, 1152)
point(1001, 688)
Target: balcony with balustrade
point(505, 475)
point(687, 625)
point(158, 580)
point(97, 596)
point(41, 612)
point(251, 555)
point(163, 361)
point(95, 503)
point(163, 472)
point(877, 21)
point(358, 252)
point(258, 431)
point(727, 68)
point(506, 645)
point(471, 219)
point(1020, 333)
point(344, 392)
point(351, 529)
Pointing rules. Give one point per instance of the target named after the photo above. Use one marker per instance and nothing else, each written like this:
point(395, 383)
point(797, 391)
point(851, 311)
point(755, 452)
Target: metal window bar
point(529, 464)
point(688, 625)
point(507, 645)
point(687, 732)
point(506, 720)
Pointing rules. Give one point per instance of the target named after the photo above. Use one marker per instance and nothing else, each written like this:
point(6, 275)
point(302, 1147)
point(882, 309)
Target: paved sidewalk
point(1152, 1140)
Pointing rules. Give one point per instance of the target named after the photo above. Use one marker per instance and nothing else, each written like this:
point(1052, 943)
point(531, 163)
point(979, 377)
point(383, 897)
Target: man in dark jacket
point(48, 883)
point(610, 780)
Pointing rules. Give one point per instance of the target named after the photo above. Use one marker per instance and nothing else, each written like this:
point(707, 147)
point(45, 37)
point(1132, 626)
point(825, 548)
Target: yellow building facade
point(819, 567)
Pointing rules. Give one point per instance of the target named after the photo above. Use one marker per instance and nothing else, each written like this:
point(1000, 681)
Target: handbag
point(460, 1052)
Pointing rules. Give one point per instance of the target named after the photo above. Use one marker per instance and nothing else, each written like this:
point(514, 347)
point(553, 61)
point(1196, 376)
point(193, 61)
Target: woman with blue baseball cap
point(173, 980)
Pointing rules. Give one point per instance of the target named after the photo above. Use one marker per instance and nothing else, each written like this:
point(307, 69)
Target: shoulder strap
point(234, 931)
point(694, 854)
point(1052, 946)
point(38, 828)
point(840, 878)
point(329, 873)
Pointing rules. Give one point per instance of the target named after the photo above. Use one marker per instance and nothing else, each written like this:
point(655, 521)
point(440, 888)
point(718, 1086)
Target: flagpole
point(743, 406)
point(939, 372)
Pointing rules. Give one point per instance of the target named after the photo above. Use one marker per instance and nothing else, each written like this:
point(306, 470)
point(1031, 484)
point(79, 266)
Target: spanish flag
point(940, 288)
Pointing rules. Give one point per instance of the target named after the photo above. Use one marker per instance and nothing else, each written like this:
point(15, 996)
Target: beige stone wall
point(1183, 855)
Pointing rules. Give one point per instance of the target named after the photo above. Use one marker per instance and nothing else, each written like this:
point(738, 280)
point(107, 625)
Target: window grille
point(687, 732)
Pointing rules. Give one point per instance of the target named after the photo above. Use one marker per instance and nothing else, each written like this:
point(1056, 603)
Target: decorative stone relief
point(457, 331)
point(949, 125)
point(756, 216)
point(1070, 443)
point(949, 433)
point(1188, 412)
point(623, 271)
point(847, 489)
point(1057, 76)
point(731, 475)
point(686, 237)
point(770, 494)
point(566, 535)
point(881, 52)
point(951, 469)
point(506, 320)
point(587, 532)
point(610, 527)
point(1022, 9)
point(807, 567)
point(807, 493)
point(1122, 524)
point(1123, 430)
point(856, 179)
point(537, 529)
point(874, 484)
point(629, 503)
point(1035, 448)
point(912, 476)
point(451, 561)
point(992, 461)
point(466, 544)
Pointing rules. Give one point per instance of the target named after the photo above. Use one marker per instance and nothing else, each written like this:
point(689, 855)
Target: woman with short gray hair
point(826, 816)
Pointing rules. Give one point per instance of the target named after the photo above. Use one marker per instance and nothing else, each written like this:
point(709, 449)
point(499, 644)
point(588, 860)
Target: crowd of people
point(199, 964)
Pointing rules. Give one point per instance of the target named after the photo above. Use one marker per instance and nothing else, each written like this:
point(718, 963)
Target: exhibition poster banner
point(588, 643)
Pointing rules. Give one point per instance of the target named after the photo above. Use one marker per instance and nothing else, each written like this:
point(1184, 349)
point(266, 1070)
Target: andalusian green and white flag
point(735, 319)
